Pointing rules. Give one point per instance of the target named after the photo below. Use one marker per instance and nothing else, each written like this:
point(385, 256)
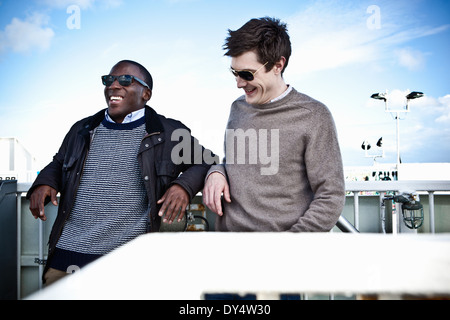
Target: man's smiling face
point(122, 100)
point(262, 88)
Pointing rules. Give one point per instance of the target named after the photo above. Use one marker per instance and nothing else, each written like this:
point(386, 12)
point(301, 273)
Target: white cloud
point(326, 36)
point(33, 32)
point(180, 1)
point(445, 110)
point(324, 39)
point(83, 4)
point(25, 35)
point(413, 60)
point(435, 110)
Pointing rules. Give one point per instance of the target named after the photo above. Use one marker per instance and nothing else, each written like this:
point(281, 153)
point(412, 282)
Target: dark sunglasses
point(246, 75)
point(124, 80)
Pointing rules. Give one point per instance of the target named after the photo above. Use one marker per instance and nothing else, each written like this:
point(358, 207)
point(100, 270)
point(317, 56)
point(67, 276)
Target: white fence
point(32, 237)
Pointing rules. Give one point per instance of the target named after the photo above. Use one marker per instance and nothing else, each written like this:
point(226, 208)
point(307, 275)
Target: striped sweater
point(111, 205)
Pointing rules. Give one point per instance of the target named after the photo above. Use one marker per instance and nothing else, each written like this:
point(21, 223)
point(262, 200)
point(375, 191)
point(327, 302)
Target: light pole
point(411, 96)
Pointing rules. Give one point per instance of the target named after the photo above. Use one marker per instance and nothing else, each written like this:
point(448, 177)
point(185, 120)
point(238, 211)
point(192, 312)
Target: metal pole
point(382, 213)
point(398, 142)
point(19, 242)
point(356, 208)
point(41, 251)
point(345, 226)
point(395, 212)
point(431, 204)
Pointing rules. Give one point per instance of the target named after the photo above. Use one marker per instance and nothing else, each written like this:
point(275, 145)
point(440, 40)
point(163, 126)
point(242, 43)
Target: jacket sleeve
point(51, 175)
point(194, 171)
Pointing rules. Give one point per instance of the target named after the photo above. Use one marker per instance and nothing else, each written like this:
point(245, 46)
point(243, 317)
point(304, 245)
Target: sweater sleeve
point(324, 168)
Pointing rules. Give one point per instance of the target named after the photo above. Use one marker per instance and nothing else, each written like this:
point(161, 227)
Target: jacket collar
point(153, 123)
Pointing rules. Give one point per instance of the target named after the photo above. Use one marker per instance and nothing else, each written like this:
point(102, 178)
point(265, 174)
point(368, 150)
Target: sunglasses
point(124, 80)
point(246, 75)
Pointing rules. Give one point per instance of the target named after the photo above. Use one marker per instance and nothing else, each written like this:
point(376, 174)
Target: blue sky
point(51, 60)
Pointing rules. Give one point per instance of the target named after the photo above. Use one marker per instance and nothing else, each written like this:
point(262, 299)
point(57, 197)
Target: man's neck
point(279, 90)
point(284, 94)
point(133, 116)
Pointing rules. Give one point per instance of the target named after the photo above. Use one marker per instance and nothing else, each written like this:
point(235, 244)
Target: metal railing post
point(382, 213)
point(356, 208)
point(19, 243)
point(41, 251)
point(431, 204)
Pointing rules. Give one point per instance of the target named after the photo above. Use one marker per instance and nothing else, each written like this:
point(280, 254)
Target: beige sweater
point(284, 167)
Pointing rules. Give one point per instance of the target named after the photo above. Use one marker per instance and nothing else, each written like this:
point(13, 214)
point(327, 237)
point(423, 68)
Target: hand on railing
point(37, 201)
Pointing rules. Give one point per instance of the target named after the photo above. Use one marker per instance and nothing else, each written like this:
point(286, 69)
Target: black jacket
point(159, 172)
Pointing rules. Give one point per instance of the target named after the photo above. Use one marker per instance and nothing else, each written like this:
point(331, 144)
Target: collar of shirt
point(136, 115)
point(284, 94)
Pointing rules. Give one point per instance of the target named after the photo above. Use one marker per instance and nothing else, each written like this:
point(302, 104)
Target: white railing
point(266, 265)
point(382, 187)
point(353, 188)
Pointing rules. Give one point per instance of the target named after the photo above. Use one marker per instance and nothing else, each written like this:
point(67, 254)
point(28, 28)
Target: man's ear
point(279, 66)
point(147, 94)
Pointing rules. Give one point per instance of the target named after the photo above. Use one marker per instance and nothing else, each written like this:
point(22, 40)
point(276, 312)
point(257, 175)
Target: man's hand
point(37, 201)
point(215, 186)
point(174, 200)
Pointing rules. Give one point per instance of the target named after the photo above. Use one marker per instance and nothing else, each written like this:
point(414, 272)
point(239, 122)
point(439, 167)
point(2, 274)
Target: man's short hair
point(268, 37)
point(147, 76)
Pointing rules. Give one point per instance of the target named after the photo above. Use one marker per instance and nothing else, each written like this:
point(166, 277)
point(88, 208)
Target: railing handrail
point(431, 187)
point(400, 185)
point(417, 185)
